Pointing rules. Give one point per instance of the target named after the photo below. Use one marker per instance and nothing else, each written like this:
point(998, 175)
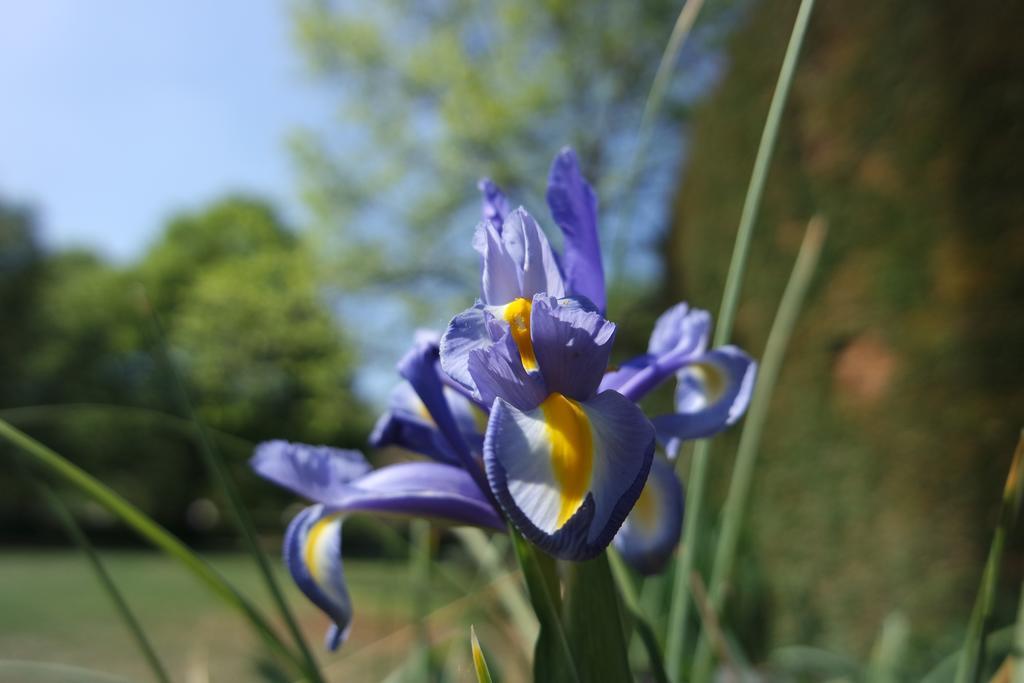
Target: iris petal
point(680, 329)
point(495, 205)
point(518, 261)
point(467, 332)
point(497, 370)
point(572, 346)
point(573, 205)
point(651, 531)
point(566, 472)
point(423, 489)
point(712, 393)
point(312, 553)
point(317, 473)
point(408, 424)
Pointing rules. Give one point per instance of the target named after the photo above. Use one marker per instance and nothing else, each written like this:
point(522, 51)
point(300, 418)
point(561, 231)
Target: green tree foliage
point(261, 354)
point(900, 402)
point(432, 96)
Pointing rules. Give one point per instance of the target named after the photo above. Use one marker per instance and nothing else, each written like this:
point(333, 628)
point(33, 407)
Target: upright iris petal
point(495, 205)
point(573, 205)
point(651, 530)
point(517, 260)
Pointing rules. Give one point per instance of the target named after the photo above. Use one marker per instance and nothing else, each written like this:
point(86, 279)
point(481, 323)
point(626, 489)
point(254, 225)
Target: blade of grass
point(652, 105)
point(890, 650)
point(1017, 647)
point(483, 674)
point(419, 575)
point(999, 641)
point(746, 454)
point(75, 533)
point(631, 601)
point(973, 653)
point(512, 599)
point(55, 464)
point(676, 644)
point(218, 469)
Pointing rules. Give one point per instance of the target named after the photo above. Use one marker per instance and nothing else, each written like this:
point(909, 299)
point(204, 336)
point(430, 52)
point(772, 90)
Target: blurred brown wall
point(902, 394)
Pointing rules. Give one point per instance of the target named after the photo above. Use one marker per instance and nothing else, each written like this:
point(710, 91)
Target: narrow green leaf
point(676, 644)
point(419, 576)
point(483, 674)
point(999, 642)
point(750, 438)
point(219, 471)
point(972, 657)
point(1017, 647)
point(644, 630)
point(485, 553)
point(593, 622)
point(149, 530)
point(67, 520)
point(552, 657)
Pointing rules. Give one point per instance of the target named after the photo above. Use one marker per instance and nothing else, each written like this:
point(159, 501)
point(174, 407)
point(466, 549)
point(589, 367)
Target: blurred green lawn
point(52, 610)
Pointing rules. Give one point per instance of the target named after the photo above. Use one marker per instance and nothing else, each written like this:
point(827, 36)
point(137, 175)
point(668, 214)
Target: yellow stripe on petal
point(517, 315)
point(713, 380)
point(645, 511)
point(572, 451)
point(313, 539)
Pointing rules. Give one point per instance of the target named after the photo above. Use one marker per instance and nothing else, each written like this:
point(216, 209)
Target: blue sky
point(116, 114)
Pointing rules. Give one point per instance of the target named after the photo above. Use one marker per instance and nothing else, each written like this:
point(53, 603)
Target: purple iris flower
point(519, 413)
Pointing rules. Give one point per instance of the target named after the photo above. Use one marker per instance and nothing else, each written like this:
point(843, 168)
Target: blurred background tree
point(431, 97)
point(250, 330)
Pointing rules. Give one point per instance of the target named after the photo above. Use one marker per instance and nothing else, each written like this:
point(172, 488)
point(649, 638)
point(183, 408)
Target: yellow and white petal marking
point(572, 451)
point(712, 380)
point(517, 314)
point(321, 553)
point(548, 457)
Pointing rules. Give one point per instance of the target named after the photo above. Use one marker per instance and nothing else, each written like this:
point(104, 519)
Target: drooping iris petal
point(421, 489)
point(517, 260)
point(573, 205)
point(680, 329)
point(651, 530)
point(312, 546)
point(712, 393)
point(312, 553)
point(572, 346)
point(566, 472)
point(495, 204)
point(498, 370)
point(316, 473)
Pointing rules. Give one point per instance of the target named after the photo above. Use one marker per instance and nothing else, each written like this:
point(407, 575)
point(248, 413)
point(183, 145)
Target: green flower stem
point(67, 520)
point(215, 464)
point(973, 655)
point(631, 600)
point(679, 612)
point(57, 465)
point(746, 455)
